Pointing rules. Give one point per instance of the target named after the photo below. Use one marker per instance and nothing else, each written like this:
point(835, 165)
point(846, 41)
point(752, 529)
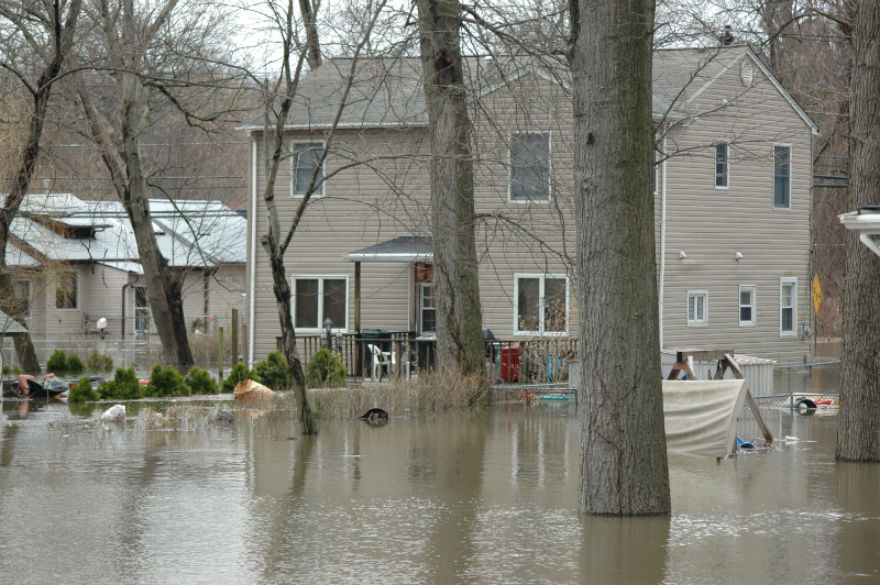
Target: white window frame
point(147, 310)
point(422, 308)
point(726, 174)
point(790, 161)
point(783, 282)
point(75, 306)
point(695, 322)
point(294, 159)
point(753, 292)
point(510, 139)
point(540, 332)
point(29, 299)
point(320, 278)
point(655, 168)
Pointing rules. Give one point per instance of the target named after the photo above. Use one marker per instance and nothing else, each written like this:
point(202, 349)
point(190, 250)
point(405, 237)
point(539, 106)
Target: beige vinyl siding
point(101, 296)
point(711, 225)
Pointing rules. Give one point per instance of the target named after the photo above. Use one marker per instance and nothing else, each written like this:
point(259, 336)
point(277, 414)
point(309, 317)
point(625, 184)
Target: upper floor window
point(787, 305)
point(698, 307)
point(781, 176)
point(318, 298)
point(530, 166)
point(721, 164)
point(306, 156)
point(541, 304)
point(747, 294)
point(22, 291)
point(66, 293)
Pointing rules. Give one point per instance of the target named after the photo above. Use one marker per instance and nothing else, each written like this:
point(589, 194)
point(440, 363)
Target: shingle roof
point(189, 233)
point(388, 91)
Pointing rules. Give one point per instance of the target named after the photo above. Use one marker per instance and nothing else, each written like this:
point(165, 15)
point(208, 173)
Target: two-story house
point(732, 191)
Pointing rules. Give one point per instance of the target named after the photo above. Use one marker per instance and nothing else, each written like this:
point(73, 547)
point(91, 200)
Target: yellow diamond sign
point(817, 294)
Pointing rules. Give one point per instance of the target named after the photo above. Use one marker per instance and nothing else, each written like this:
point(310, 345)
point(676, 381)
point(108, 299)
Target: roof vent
point(747, 73)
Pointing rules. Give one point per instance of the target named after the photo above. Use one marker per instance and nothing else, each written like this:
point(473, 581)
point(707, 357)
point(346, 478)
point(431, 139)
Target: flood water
point(485, 498)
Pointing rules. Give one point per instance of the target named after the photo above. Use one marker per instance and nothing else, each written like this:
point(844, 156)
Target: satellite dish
point(102, 323)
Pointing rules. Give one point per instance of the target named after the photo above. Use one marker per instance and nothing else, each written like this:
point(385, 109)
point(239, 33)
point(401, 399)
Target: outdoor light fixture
point(738, 256)
point(682, 255)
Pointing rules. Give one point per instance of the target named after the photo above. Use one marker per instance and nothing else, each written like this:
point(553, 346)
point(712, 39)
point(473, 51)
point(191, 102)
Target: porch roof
point(399, 249)
point(9, 326)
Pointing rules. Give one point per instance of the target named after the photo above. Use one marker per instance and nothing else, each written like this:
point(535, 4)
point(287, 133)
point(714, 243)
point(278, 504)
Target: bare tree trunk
point(623, 447)
point(858, 438)
point(457, 288)
point(61, 30)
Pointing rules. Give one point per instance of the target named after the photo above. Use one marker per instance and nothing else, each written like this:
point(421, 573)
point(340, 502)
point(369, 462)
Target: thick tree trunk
point(623, 447)
point(858, 435)
point(281, 288)
point(457, 289)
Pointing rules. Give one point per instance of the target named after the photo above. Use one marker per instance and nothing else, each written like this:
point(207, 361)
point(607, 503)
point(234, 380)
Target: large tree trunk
point(457, 289)
point(623, 447)
point(858, 435)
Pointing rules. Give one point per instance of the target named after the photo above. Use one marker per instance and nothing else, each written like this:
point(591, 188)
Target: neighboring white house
point(76, 263)
point(732, 191)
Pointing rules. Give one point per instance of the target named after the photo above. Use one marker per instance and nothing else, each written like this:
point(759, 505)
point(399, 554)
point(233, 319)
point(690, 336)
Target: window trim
point(754, 304)
point(790, 158)
point(784, 281)
point(135, 308)
point(30, 289)
point(75, 306)
point(294, 159)
point(726, 162)
point(540, 332)
point(704, 322)
point(320, 278)
point(422, 308)
point(526, 201)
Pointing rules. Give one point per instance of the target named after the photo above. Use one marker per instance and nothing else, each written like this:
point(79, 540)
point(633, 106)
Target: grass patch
point(432, 394)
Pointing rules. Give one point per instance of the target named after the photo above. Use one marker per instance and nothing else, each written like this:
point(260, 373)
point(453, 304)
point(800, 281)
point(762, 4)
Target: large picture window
point(530, 166)
point(66, 293)
point(306, 156)
point(541, 304)
point(318, 298)
point(782, 176)
point(787, 305)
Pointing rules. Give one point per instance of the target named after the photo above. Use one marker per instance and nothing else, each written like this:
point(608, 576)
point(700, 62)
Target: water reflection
point(176, 495)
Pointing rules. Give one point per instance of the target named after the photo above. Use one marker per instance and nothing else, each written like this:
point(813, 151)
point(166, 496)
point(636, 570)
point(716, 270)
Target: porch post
point(358, 344)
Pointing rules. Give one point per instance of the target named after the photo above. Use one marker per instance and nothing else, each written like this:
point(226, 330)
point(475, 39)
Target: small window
point(530, 166)
point(306, 156)
point(541, 304)
point(319, 298)
point(427, 308)
point(698, 307)
point(787, 305)
point(721, 165)
point(782, 176)
point(22, 291)
point(747, 294)
point(66, 291)
point(141, 310)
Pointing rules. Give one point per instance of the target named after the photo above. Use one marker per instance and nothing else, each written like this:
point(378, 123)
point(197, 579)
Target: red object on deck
point(510, 363)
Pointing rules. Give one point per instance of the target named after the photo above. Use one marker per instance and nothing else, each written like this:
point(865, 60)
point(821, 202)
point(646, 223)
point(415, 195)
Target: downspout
point(662, 240)
point(124, 286)
point(253, 259)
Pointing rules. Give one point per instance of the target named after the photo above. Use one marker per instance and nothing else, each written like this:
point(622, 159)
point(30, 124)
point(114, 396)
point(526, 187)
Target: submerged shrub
point(57, 364)
point(239, 372)
point(124, 386)
point(82, 392)
point(201, 382)
point(273, 371)
point(98, 362)
point(166, 382)
point(74, 365)
point(325, 369)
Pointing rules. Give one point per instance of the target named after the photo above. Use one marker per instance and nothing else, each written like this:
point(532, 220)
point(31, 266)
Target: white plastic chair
point(380, 359)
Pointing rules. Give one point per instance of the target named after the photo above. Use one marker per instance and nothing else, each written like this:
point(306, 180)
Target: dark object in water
point(224, 416)
point(49, 388)
point(375, 416)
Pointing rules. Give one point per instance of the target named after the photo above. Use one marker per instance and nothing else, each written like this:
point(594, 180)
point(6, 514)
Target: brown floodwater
point(174, 495)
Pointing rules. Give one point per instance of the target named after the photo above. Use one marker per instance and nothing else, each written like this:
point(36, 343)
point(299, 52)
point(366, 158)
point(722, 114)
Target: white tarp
point(701, 415)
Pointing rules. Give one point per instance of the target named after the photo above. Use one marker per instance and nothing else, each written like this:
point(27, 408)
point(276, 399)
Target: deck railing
point(510, 361)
